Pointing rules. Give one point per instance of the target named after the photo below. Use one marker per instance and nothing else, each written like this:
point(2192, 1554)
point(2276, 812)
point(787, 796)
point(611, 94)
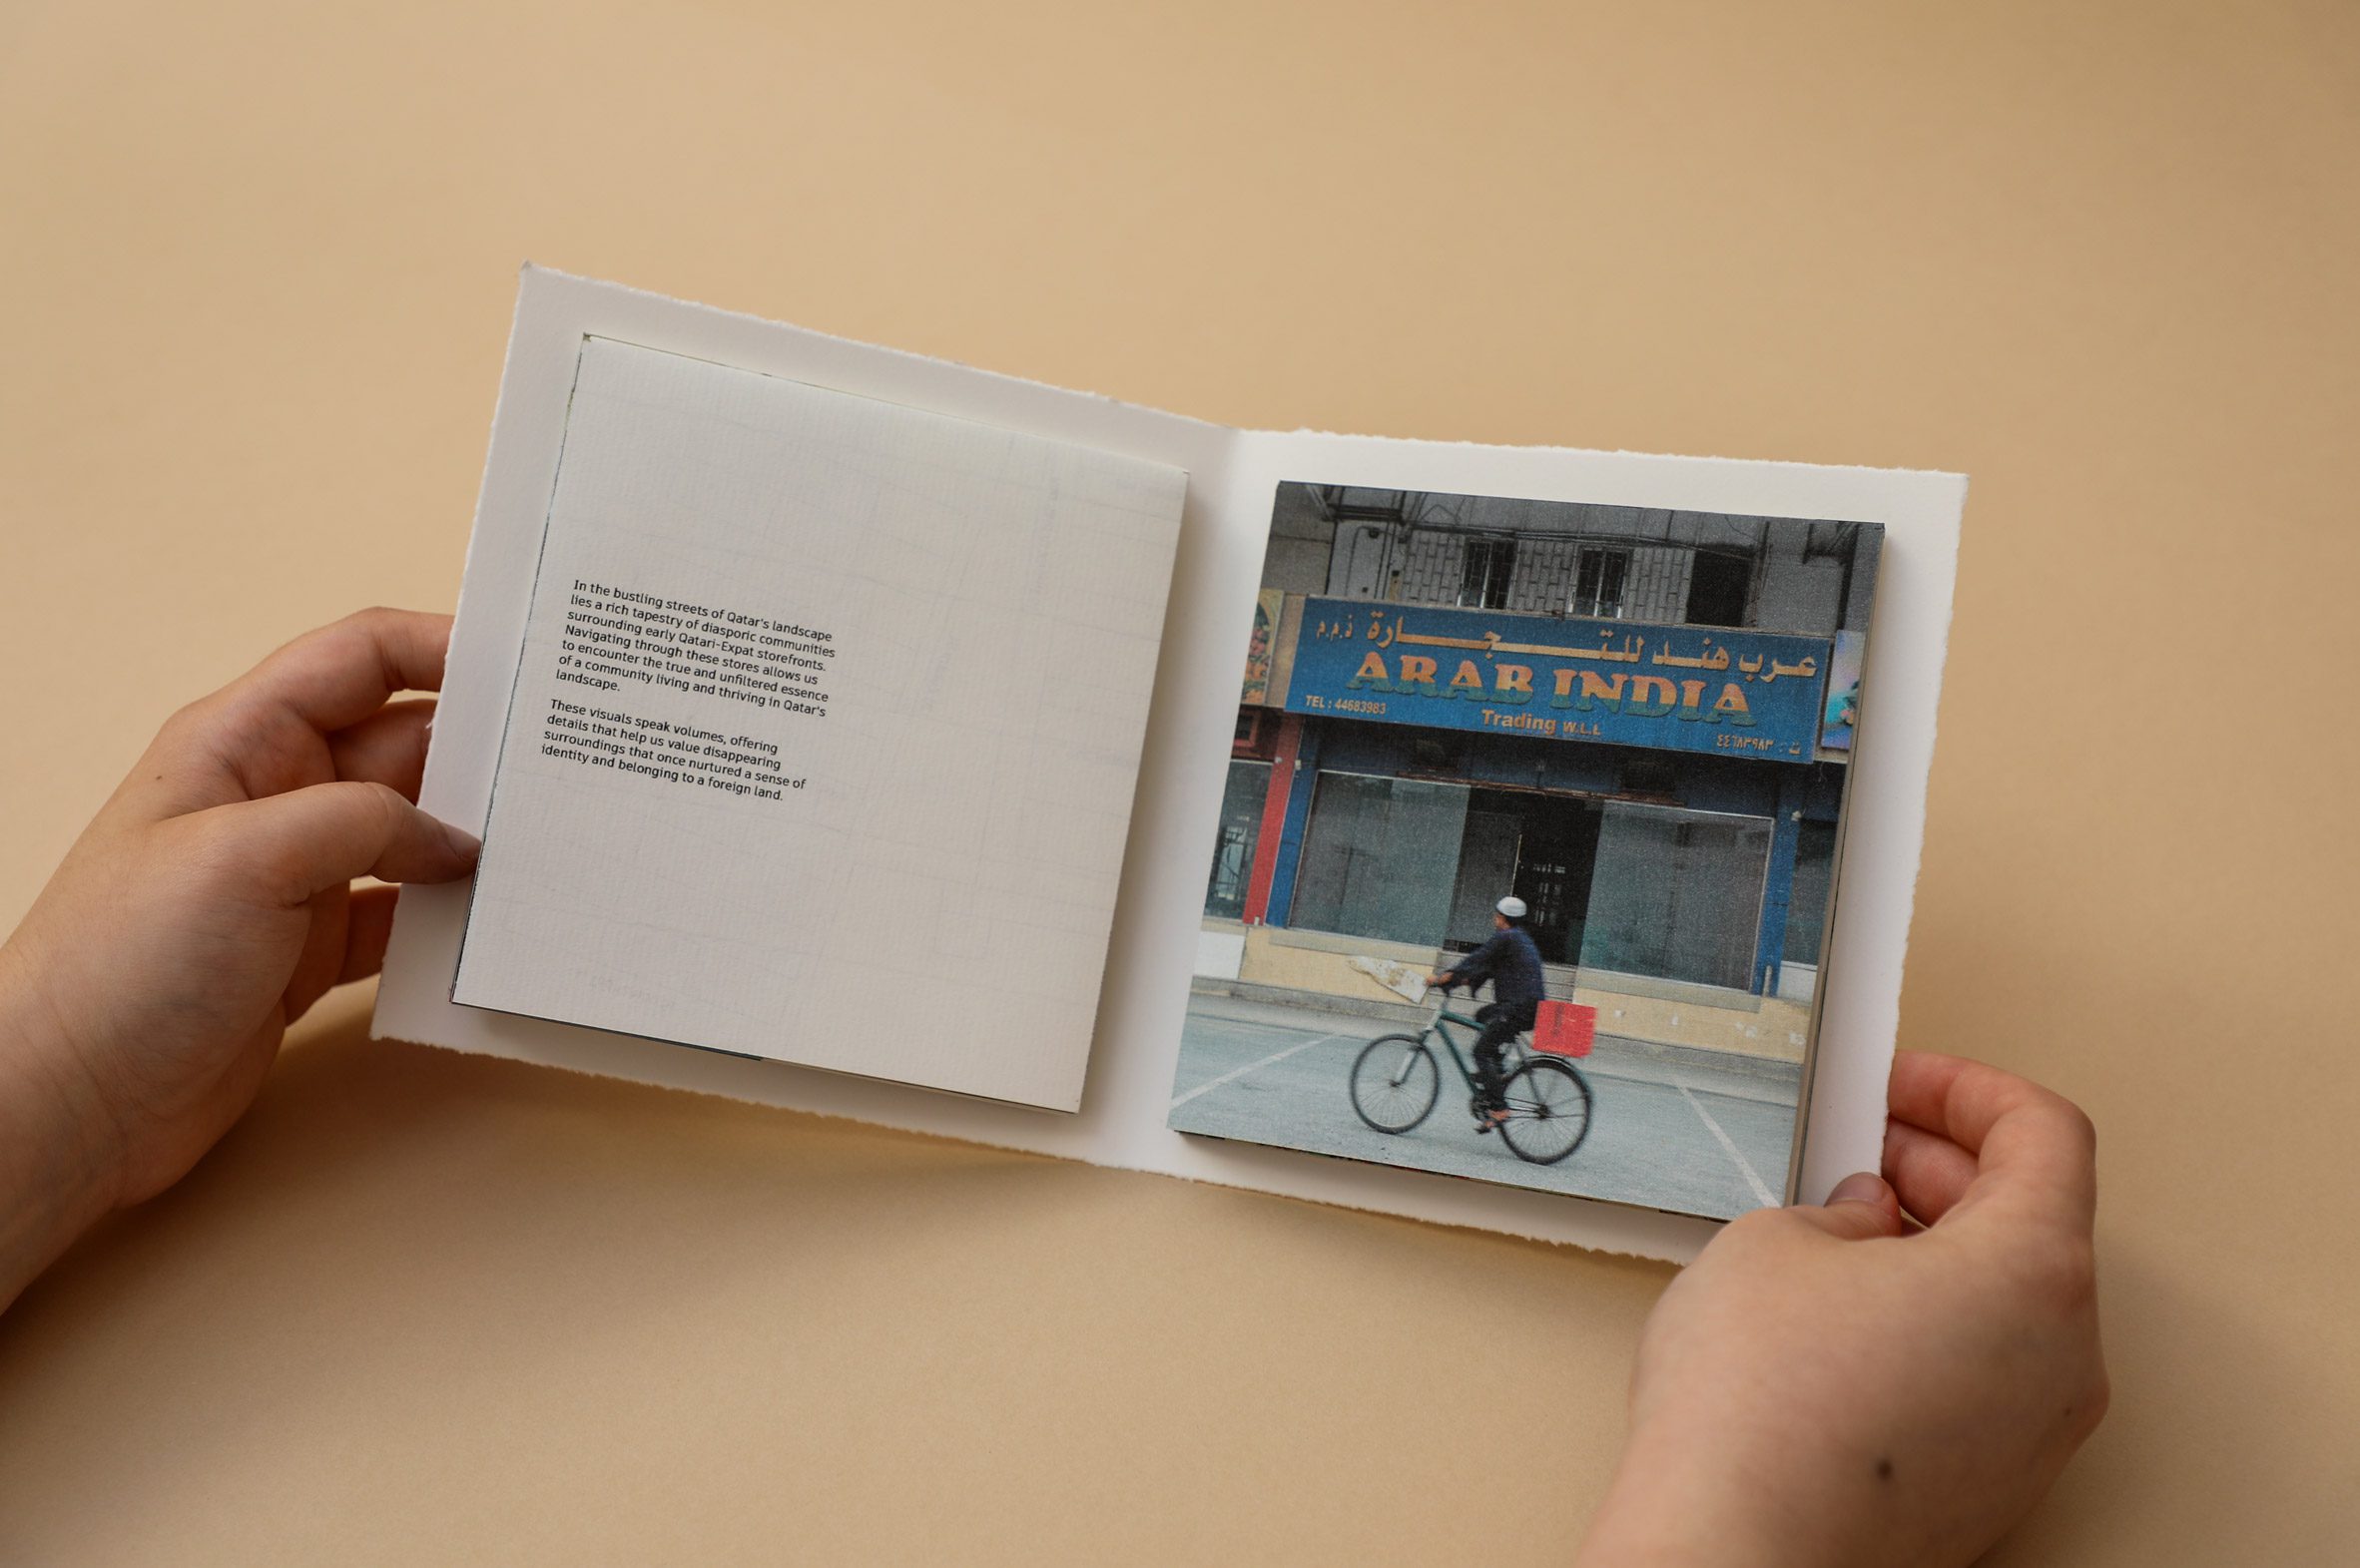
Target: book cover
point(845, 725)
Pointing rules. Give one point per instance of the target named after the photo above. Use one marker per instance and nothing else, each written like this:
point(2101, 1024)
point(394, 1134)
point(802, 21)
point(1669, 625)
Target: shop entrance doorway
point(1541, 847)
point(1553, 865)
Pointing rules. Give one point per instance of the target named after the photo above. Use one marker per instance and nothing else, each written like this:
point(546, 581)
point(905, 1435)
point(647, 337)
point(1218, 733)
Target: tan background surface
point(257, 264)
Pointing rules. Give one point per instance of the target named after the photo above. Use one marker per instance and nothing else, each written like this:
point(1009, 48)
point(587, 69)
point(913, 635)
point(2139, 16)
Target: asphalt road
point(1662, 1135)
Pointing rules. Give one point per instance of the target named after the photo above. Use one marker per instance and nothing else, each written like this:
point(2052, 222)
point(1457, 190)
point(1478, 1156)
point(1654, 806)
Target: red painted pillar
point(1274, 818)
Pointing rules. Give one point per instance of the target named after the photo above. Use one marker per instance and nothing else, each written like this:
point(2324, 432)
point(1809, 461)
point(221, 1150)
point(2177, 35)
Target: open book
point(881, 737)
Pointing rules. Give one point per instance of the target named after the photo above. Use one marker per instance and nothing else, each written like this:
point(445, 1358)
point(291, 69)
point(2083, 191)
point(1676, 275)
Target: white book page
point(1232, 475)
point(825, 731)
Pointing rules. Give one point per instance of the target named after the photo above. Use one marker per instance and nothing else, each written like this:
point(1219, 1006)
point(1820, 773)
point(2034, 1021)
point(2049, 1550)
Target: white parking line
point(1762, 1194)
point(1255, 1067)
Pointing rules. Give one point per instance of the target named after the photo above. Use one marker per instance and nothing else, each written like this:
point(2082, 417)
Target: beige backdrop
point(258, 261)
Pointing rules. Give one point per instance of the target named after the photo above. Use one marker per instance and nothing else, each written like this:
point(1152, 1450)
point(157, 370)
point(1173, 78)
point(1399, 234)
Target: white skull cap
point(1512, 906)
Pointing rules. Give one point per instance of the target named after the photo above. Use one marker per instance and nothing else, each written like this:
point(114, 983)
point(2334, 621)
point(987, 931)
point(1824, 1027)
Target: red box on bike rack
point(1565, 1029)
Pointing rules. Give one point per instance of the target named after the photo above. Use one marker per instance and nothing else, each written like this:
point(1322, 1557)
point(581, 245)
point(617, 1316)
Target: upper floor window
point(1598, 577)
point(1719, 587)
point(1482, 580)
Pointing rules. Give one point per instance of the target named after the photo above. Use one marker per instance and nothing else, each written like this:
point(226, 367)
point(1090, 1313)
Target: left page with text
point(825, 731)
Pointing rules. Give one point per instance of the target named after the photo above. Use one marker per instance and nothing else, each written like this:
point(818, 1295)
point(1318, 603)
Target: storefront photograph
point(1614, 738)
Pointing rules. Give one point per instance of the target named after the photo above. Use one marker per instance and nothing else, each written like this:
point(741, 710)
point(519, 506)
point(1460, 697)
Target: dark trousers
point(1500, 1025)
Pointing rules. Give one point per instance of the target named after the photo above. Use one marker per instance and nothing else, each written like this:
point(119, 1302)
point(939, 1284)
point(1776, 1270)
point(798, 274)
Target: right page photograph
point(1528, 844)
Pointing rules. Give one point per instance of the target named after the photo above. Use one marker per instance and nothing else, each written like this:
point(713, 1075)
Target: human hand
point(1832, 1386)
point(206, 905)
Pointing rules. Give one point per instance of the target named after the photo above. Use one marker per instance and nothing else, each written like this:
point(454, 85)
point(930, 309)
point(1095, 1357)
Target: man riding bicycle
point(1511, 962)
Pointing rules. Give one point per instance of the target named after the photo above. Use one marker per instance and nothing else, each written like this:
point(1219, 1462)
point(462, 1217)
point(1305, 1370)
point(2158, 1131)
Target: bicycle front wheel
point(1548, 1107)
point(1394, 1083)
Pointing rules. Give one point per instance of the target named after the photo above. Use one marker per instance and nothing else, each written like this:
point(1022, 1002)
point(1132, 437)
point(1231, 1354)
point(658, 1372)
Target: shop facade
point(1657, 795)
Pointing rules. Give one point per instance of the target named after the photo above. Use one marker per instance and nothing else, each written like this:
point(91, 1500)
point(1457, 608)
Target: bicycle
point(1395, 1083)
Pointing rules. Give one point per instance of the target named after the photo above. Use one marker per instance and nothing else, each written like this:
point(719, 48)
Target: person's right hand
point(1832, 1386)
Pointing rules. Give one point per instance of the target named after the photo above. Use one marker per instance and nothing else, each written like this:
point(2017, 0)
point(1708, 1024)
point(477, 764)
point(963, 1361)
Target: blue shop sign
point(1676, 688)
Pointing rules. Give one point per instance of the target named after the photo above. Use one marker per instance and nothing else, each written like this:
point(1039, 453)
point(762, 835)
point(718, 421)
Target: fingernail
point(1861, 1187)
point(465, 843)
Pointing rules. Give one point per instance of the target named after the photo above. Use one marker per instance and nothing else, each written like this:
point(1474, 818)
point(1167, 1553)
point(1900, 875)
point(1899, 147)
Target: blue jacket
point(1511, 962)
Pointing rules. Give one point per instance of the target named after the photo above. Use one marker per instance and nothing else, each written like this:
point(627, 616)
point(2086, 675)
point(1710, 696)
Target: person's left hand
point(202, 911)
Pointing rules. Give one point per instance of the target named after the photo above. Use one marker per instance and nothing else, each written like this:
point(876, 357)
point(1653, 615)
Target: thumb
point(1862, 1207)
point(309, 840)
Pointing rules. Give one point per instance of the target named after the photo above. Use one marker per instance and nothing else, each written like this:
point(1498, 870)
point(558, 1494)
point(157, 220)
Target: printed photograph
point(1526, 854)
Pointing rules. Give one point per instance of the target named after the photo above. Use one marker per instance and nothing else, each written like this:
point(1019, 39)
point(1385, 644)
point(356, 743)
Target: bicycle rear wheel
point(1394, 1083)
point(1548, 1106)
